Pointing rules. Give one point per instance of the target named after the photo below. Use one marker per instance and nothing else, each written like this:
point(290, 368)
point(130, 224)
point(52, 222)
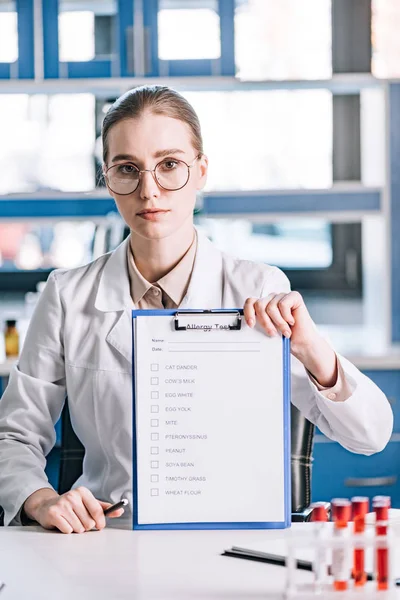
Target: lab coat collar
point(205, 290)
point(113, 293)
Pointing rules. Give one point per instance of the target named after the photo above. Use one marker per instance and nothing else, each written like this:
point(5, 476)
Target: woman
point(79, 340)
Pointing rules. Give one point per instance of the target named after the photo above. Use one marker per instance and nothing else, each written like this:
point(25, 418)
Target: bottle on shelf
point(11, 339)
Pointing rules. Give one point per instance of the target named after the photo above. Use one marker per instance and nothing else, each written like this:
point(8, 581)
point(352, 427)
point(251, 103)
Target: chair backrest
point(72, 453)
point(302, 435)
point(302, 441)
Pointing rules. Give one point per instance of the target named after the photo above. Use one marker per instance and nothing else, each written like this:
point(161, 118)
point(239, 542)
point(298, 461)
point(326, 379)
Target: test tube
point(382, 551)
point(341, 566)
point(320, 515)
point(379, 499)
point(360, 507)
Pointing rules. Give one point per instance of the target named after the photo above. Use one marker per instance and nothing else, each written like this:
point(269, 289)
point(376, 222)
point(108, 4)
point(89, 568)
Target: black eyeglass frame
point(153, 172)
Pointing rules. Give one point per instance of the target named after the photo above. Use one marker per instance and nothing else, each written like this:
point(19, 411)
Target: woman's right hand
point(75, 511)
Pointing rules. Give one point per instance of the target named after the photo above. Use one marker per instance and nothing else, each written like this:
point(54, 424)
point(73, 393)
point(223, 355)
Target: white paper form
point(209, 411)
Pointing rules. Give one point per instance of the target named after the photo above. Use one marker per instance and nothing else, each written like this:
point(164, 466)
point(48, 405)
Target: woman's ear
point(202, 170)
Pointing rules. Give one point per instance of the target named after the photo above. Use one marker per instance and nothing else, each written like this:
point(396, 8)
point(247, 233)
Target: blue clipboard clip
point(236, 327)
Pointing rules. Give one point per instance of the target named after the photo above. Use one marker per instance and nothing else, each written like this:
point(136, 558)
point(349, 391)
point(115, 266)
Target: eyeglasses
point(170, 174)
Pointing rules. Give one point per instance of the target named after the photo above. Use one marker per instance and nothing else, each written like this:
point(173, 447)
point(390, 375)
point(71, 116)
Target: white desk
point(118, 565)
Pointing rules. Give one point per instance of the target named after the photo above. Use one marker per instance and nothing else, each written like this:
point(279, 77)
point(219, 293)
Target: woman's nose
point(148, 185)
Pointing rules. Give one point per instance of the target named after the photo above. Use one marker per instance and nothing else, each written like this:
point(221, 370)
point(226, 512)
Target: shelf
point(111, 87)
point(340, 202)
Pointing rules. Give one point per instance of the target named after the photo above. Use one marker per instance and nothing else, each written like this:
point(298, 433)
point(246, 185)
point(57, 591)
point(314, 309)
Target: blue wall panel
point(94, 68)
point(57, 208)
point(304, 202)
point(227, 18)
point(26, 50)
point(50, 39)
point(4, 70)
point(125, 21)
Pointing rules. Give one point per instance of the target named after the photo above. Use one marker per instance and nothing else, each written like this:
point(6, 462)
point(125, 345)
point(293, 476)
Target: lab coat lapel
point(113, 295)
point(205, 290)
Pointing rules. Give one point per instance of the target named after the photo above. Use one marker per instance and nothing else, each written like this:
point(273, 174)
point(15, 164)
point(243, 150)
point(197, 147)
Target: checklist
point(211, 434)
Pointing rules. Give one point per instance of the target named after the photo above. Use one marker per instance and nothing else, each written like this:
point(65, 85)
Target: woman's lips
point(152, 215)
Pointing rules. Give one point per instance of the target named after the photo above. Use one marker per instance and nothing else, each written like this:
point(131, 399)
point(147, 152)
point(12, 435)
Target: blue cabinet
point(389, 382)
point(339, 473)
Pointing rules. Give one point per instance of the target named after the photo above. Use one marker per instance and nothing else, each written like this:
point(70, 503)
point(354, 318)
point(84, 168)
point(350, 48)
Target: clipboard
point(208, 340)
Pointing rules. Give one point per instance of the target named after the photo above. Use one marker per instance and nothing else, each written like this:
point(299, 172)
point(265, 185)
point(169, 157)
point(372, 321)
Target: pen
point(114, 507)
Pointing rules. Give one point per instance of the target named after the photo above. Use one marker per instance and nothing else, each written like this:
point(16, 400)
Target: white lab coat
point(79, 344)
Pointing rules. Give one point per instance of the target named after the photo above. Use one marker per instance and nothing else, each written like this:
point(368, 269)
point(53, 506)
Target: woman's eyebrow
point(119, 157)
point(161, 153)
point(158, 154)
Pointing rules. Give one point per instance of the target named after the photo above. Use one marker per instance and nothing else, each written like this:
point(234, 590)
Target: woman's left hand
point(288, 315)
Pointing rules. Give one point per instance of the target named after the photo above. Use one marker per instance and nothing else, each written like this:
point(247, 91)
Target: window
point(266, 140)
point(386, 38)
point(314, 254)
point(8, 32)
point(29, 247)
point(86, 30)
point(283, 39)
point(29, 251)
point(47, 142)
point(188, 30)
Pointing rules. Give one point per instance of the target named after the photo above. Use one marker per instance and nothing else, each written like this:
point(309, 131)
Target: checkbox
point(154, 422)
point(154, 464)
point(154, 381)
point(155, 408)
point(154, 450)
point(154, 367)
point(155, 395)
point(154, 478)
point(154, 492)
point(155, 437)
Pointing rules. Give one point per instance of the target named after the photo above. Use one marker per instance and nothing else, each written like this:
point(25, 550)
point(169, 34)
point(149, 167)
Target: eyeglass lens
point(170, 174)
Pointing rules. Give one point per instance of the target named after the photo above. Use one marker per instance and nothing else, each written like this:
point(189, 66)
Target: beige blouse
point(167, 292)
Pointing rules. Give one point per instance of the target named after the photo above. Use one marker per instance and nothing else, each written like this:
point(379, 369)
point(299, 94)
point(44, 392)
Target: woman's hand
point(75, 511)
point(288, 315)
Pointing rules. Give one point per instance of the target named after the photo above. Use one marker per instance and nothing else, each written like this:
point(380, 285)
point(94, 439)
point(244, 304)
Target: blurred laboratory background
point(299, 103)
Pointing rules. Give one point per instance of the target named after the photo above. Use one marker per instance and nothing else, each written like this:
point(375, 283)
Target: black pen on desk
point(275, 559)
point(114, 507)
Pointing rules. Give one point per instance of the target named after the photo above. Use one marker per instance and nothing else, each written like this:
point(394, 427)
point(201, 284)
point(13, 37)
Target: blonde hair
point(157, 99)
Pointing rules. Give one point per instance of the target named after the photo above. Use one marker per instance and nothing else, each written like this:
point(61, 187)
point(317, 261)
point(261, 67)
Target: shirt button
point(156, 291)
point(332, 396)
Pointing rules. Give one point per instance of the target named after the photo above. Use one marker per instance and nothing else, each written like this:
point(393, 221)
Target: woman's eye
point(169, 165)
point(126, 169)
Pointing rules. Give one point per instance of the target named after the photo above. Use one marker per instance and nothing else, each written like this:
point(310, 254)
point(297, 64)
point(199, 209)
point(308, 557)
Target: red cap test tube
point(360, 507)
point(319, 512)
point(382, 552)
point(341, 514)
point(382, 499)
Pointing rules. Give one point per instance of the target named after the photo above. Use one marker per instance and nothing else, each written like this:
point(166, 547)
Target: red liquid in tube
point(341, 513)
point(382, 552)
point(360, 506)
